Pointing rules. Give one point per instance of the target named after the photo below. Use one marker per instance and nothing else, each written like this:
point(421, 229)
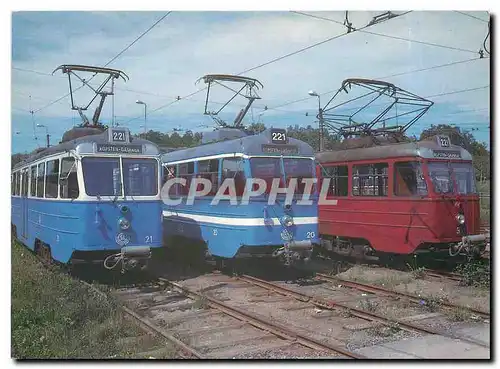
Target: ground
point(56, 316)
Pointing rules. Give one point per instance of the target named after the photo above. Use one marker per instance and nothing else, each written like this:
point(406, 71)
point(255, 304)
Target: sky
point(168, 60)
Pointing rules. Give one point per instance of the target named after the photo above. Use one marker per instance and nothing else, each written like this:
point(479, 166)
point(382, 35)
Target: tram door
point(24, 202)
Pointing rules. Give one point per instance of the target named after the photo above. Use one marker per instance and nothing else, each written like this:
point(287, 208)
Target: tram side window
point(370, 180)
point(40, 180)
point(24, 189)
point(33, 181)
point(209, 169)
point(233, 168)
point(13, 184)
point(68, 182)
point(338, 180)
point(186, 170)
point(18, 184)
point(408, 179)
point(52, 179)
point(170, 172)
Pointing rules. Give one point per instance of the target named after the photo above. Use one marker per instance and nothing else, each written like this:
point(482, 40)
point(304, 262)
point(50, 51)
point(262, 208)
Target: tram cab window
point(52, 179)
point(40, 181)
point(102, 176)
point(370, 180)
point(68, 181)
point(186, 170)
point(209, 169)
point(408, 179)
point(233, 168)
point(451, 177)
point(267, 169)
point(338, 180)
point(440, 173)
point(140, 177)
point(300, 169)
point(33, 181)
point(464, 178)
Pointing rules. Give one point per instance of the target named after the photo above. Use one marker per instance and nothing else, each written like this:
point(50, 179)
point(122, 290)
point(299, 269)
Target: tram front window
point(464, 178)
point(270, 168)
point(300, 169)
point(140, 177)
point(102, 176)
point(449, 177)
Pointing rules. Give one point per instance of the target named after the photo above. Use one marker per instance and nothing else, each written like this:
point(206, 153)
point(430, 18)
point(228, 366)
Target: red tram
point(400, 199)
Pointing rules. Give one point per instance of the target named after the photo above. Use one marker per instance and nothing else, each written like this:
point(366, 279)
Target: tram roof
point(428, 149)
point(101, 138)
point(248, 145)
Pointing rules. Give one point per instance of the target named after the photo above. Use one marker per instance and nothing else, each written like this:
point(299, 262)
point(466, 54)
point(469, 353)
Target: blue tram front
point(233, 227)
point(93, 199)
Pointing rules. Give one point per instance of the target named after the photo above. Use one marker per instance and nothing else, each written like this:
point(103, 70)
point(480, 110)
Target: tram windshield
point(270, 168)
point(452, 178)
point(102, 176)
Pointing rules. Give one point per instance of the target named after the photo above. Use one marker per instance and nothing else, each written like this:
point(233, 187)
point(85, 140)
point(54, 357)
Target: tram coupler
point(470, 245)
point(130, 257)
point(294, 250)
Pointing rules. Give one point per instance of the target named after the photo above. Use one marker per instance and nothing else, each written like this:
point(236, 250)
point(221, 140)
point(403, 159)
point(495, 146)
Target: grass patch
point(475, 273)
point(56, 317)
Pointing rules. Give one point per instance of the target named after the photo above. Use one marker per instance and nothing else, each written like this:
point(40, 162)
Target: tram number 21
point(310, 234)
point(148, 239)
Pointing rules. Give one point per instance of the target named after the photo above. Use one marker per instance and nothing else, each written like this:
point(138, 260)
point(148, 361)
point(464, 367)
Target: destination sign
point(119, 149)
point(278, 136)
point(447, 154)
point(278, 149)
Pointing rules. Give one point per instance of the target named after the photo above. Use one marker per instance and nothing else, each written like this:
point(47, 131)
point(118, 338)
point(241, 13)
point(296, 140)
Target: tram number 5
point(148, 239)
point(310, 234)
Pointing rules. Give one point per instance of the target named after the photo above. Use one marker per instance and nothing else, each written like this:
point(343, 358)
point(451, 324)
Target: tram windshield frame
point(103, 176)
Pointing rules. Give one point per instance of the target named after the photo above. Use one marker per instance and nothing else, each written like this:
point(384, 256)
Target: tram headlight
point(287, 220)
point(124, 224)
point(460, 218)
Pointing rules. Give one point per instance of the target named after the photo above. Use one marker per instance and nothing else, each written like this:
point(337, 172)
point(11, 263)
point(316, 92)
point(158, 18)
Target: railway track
point(363, 314)
point(386, 292)
point(443, 275)
point(211, 317)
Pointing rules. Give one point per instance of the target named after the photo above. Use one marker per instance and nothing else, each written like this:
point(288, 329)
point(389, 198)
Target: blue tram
point(94, 199)
point(232, 227)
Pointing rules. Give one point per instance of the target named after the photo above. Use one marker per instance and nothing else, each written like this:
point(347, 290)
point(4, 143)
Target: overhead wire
point(362, 29)
point(388, 76)
point(265, 64)
point(471, 16)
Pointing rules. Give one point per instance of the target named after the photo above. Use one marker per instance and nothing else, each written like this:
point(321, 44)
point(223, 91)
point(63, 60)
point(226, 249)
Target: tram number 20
point(310, 234)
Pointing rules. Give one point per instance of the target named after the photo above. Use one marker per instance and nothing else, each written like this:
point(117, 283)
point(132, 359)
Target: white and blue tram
point(94, 199)
point(257, 229)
